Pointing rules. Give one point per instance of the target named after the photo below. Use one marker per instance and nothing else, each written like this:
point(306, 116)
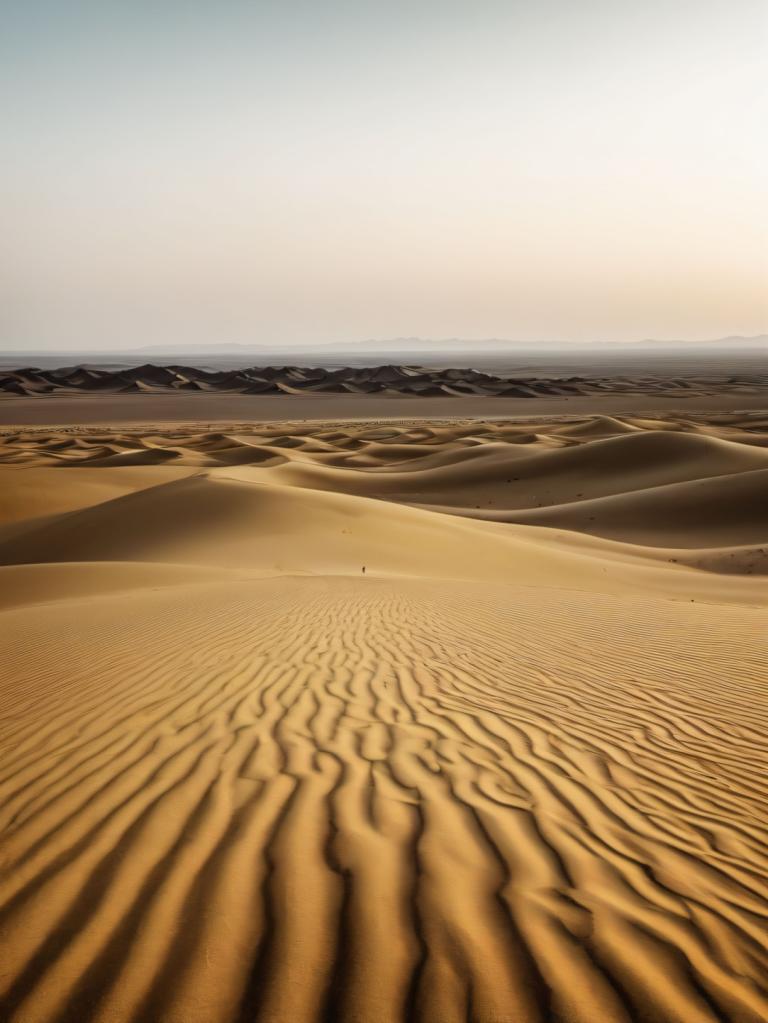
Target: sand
point(514, 771)
point(215, 407)
point(383, 380)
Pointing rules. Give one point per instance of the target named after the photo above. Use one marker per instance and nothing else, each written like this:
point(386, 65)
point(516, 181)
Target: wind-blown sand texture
point(514, 772)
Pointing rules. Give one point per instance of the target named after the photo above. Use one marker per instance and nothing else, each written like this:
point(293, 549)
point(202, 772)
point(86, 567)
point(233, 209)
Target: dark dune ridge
point(381, 380)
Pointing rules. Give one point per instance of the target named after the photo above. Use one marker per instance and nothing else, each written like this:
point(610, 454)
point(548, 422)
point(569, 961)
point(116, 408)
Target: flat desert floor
point(179, 407)
point(370, 723)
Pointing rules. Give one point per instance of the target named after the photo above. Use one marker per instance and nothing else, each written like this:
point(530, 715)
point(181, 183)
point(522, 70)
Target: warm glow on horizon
point(289, 173)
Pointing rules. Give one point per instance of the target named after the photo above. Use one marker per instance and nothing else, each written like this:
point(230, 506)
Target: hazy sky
point(296, 171)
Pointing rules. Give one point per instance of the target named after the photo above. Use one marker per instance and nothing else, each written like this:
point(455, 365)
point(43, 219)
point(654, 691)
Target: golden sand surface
point(512, 772)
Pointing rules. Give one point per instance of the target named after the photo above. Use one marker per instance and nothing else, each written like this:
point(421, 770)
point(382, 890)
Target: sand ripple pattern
point(371, 802)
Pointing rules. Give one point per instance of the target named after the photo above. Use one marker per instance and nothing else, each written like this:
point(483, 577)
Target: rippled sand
point(515, 771)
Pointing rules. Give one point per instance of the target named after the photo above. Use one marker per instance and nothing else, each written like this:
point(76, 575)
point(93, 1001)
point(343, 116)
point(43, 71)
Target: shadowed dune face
point(515, 771)
point(188, 394)
point(384, 380)
point(670, 483)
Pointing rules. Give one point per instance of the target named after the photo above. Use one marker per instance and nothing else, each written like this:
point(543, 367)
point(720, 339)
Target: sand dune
point(726, 510)
point(189, 395)
point(219, 521)
point(516, 771)
point(291, 380)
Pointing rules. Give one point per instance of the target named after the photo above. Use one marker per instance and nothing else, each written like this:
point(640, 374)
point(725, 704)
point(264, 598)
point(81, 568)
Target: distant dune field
point(152, 394)
point(376, 722)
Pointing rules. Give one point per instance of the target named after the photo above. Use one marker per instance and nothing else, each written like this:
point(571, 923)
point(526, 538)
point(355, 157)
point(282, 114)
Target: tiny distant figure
point(363, 569)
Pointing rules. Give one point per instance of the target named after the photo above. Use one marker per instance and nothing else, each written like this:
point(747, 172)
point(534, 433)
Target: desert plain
point(371, 722)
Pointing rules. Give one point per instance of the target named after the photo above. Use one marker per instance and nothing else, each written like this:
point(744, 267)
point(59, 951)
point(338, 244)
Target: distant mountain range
point(417, 344)
point(397, 349)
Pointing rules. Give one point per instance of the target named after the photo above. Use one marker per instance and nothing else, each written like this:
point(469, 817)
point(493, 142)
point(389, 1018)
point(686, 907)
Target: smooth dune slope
point(515, 771)
point(726, 510)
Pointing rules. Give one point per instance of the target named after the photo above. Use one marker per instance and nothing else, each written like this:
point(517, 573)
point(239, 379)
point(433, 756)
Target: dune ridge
point(513, 771)
point(385, 380)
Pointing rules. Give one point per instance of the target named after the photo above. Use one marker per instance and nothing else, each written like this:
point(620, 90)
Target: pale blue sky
point(300, 172)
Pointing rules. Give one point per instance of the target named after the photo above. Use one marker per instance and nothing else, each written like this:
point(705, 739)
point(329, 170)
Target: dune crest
point(418, 381)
